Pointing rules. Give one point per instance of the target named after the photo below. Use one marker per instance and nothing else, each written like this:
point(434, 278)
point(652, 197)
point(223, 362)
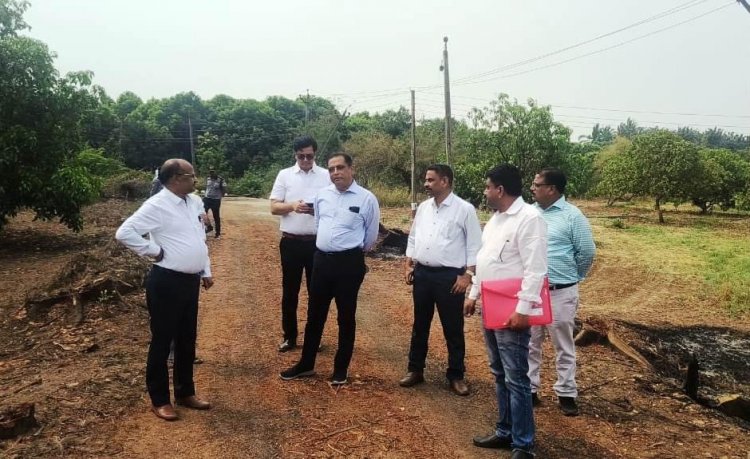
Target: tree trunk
point(659, 210)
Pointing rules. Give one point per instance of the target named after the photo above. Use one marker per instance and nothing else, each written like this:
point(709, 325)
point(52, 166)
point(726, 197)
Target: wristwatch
point(470, 272)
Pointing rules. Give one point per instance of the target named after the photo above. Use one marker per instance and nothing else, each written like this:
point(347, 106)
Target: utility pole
point(192, 149)
point(447, 88)
point(413, 157)
point(307, 109)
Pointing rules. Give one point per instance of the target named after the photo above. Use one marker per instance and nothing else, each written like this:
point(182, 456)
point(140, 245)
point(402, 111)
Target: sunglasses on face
point(305, 157)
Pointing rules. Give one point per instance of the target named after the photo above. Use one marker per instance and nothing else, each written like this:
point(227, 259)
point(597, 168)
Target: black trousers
point(172, 299)
point(296, 255)
point(433, 287)
point(336, 276)
point(214, 205)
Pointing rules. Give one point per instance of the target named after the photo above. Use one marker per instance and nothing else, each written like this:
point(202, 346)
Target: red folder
point(500, 298)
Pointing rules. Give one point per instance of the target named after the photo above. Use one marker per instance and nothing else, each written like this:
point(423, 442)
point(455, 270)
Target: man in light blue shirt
point(570, 253)
point(347, 218)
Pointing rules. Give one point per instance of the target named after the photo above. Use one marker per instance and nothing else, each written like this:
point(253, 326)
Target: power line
point(655, 17)
point(640, 37)
point(605, 109)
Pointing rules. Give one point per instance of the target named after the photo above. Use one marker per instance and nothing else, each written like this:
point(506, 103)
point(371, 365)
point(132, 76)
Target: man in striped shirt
point(570, 253)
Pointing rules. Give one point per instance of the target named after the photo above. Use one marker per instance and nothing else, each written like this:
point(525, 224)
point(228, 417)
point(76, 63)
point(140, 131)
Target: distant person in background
point(291, 198)
point(570, 253)
point(215, 191)
point(156, 185)
point(178, 248)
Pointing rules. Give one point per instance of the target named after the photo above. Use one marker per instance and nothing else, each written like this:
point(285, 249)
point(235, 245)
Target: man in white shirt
point(177, 245)
point(291, 197)
point(440, 260)
point(514, 245)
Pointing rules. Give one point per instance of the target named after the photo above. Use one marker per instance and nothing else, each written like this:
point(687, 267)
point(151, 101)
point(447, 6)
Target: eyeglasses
point(537, 185)
point(187, 175)
point(305, 157)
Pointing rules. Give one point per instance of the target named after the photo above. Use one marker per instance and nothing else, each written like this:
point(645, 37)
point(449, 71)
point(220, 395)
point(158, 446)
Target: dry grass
point(695, 269)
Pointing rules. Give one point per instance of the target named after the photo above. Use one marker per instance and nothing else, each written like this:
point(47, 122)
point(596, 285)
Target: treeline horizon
point(63, 140)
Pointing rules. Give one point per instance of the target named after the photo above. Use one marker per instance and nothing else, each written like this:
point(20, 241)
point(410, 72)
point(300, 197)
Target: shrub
point(130, 184)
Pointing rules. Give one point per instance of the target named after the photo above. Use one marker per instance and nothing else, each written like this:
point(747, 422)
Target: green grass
point(720, 259)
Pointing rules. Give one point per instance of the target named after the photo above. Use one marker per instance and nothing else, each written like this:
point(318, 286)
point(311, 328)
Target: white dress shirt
point(514, 245)
point(346, 220)
point(293, 184)
point(448, 235)
point(174, 225)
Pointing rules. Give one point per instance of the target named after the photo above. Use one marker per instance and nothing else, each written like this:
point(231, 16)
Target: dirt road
point(626, 412)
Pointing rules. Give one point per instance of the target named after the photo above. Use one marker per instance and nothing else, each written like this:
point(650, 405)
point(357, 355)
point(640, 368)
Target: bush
point(253, 184)
point(391, 196)
point(130, 184)
point(99, 165)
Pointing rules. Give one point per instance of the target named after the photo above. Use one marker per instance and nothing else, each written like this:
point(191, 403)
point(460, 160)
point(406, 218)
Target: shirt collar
point(560, 204)
point(516, 206)
point(446, 202)
point(173, 198)
point(296, 169)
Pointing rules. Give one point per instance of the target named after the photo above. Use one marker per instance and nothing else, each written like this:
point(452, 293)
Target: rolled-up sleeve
point(372, 223)
point(473, 237)
point(145, 220)
point(584, 248)
point(532, 238)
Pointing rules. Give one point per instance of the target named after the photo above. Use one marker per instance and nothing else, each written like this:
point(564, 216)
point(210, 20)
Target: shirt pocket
point(348, 219)
point(449, 230)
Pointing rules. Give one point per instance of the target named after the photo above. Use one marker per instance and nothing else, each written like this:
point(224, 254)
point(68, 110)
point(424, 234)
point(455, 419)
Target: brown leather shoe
point(193, 402)
point(459, 387)
point(165, 412)
point(412, 378)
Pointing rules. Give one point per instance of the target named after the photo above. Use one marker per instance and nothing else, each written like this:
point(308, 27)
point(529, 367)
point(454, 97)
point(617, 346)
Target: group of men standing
point(327, 223)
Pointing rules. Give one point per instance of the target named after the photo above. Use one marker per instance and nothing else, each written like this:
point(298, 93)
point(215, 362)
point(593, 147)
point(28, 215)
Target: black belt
point(298, 237)
point(561, 286)
point(353, 251)
point(436, 269)
point(175, 273)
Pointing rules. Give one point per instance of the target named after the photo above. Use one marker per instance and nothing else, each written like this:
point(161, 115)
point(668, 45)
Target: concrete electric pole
point(447, 88)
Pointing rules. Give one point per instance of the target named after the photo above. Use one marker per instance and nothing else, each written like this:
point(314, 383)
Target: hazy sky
point(366, 55)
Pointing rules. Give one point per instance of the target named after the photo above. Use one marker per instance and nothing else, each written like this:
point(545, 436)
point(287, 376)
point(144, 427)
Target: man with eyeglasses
point(177, 245)
point(291, 198)
point(570, 253)
point(348, 218)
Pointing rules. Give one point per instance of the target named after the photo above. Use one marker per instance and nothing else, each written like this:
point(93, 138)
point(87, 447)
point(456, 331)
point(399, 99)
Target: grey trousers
point(564, 308)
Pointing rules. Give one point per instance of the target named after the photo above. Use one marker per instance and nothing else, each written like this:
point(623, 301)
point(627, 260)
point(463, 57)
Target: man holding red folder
point(570, 251)
point(514, 245)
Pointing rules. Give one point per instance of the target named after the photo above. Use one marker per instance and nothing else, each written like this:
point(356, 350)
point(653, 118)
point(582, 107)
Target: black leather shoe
point(296, 372)
point(535, 400)
point(412, 378)
point(521, 454)
point(287, 345)
point(492, 441)
point(568, 406)
point(339, 377)
point(459, 387)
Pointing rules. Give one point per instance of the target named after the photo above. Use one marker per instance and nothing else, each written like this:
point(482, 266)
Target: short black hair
point(347, 157)
point(554, 176)
point(443, 170)
point(169, 169)
point(507, 175)
point(304, 142)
